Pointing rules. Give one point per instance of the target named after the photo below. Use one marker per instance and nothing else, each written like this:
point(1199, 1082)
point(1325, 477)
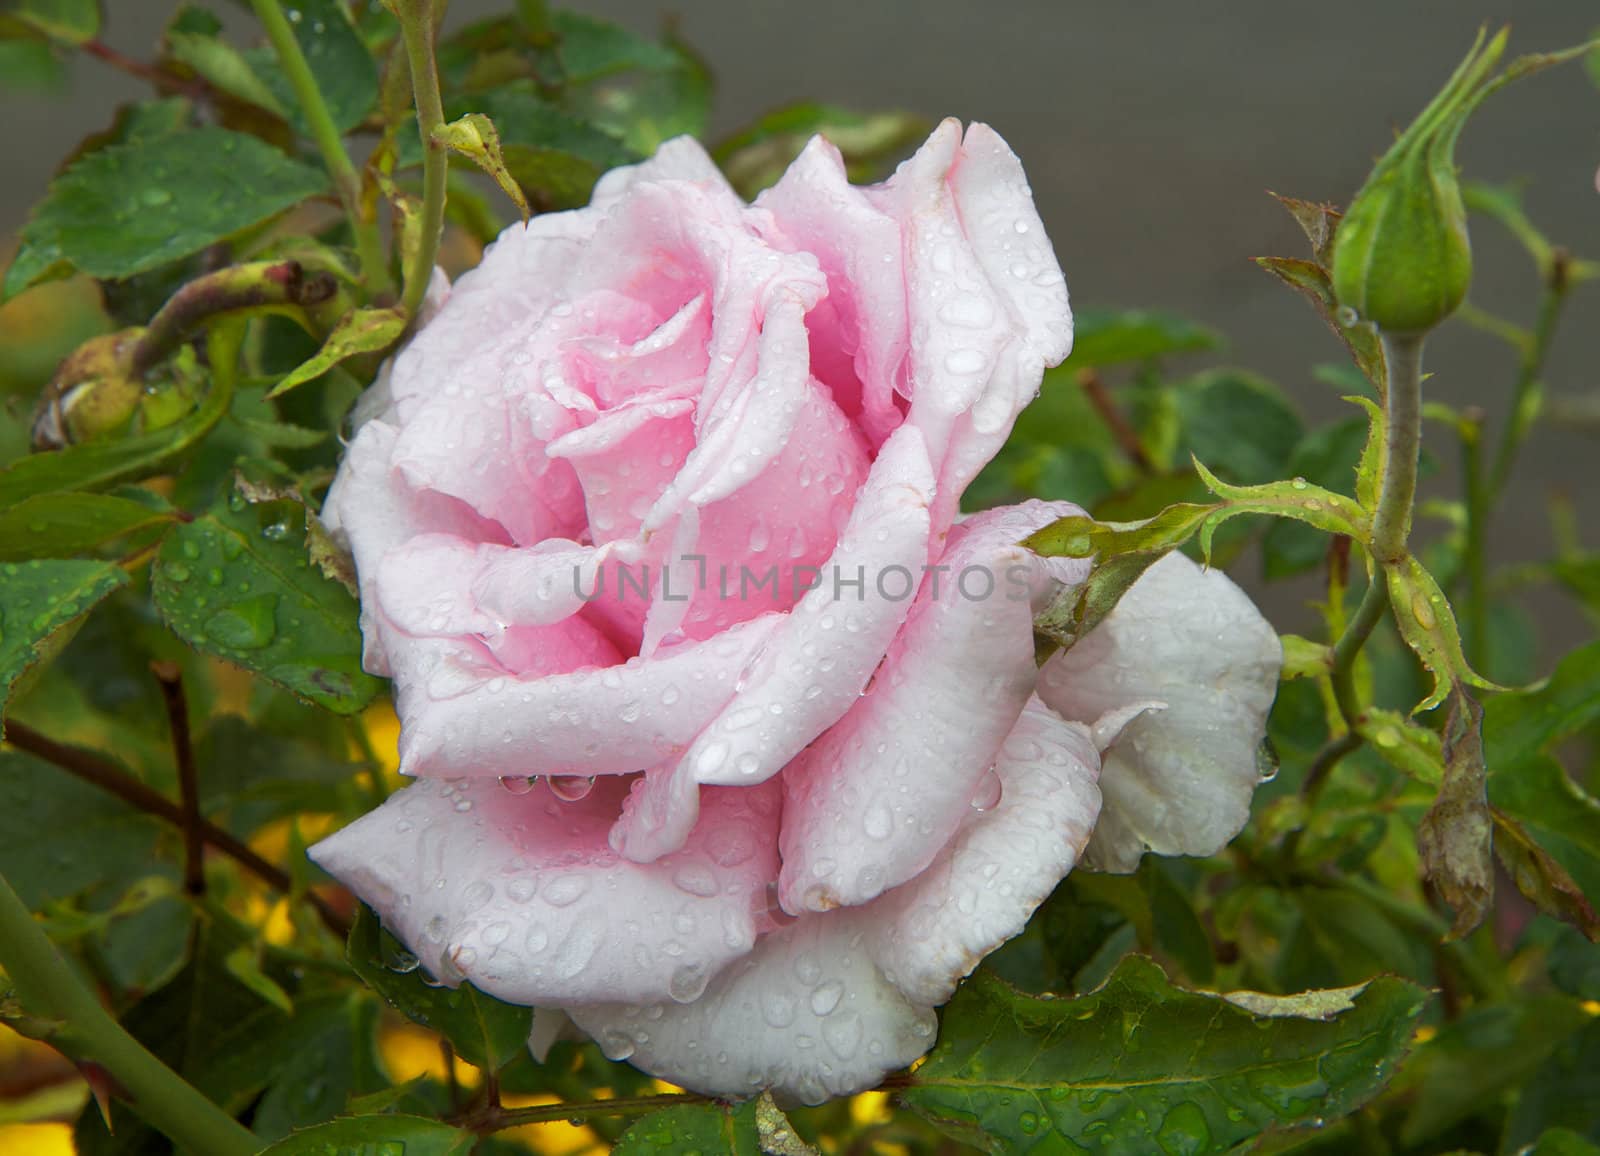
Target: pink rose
point(659, 509)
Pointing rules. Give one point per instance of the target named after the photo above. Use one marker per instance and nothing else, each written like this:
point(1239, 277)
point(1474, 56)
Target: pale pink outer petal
point(520, 894)
point(807, 1014)
point(370, 509)
point(873, 801)
point(680, 159)
point(460, 717)
point(1177, 781)
point(829, 1004)
point(987, 303)
point(1000, 864)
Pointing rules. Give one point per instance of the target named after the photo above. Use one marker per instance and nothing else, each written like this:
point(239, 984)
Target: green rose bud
point(1401, 258)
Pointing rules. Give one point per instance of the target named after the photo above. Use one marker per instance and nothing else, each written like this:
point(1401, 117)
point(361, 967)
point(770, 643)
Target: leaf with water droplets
point(127, 208)
point(345, 72)
point(1311, 280)
point(1141, 1059)
point(1428, 624)
point(705, 1128)
point(483, 1030)
point(1297, 499)
point(238, 582)
point(40, 599)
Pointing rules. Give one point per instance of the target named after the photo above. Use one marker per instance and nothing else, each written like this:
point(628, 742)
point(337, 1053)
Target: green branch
point(1525, 395)
point(346, 181)
point(418, 27)
point(50, 989)
point(1391, 526)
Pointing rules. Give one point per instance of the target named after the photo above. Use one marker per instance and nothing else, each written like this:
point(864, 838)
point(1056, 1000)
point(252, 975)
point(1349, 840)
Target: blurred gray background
point(1151, 132)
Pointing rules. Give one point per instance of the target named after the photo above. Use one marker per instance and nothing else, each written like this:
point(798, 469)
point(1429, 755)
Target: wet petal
point(520, 894)
point(806, 1014)
point(1177, 781)
point(1000, 864)
point(872, 802)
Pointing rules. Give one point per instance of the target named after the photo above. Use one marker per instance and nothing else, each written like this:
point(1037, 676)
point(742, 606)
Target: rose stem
point(50, 989)
point(369, 246)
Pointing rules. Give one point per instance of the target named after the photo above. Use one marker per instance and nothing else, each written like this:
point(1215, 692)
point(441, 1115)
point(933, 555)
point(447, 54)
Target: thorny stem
point(170, 676)
point(112, 779)
point(491, 1117)
point(418, 27)
point(347, 182)
point(1391, 524)
point(50, 989)
point(256, 285)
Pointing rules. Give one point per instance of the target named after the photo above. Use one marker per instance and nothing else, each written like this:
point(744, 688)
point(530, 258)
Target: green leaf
point(553, 157)
point(104, 462)
point(483, 1030)
point(1541, 879)
point(1410, 749)
point(1122, 552)
point(238, 582)
point(1326, 457)
point(1319, 222)
point(1561, 815)
point(1428, 625)
point(1455, 837)
point(1238, 423)
point(1140, 1059)
point(125, 209)
point(41, 598)
point(376, 1136)
point(192, 40)
point(1519, 725)
point(1477, 1058)
point(708, 1128)
point(30, 66)
point(1560, 1094)
point(60, 525)
point(346, 74)
point(93, 837)
point(1561, 1142)
point(1298, 500)
point(1177, 929)
point(591, 48)
point(69, 21)
point(474, 137)
point(358, 332)
point(1103, 337)
point(250, 777)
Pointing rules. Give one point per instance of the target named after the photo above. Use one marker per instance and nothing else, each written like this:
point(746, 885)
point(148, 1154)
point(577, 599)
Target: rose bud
point(729, 739)
point(1401, 258)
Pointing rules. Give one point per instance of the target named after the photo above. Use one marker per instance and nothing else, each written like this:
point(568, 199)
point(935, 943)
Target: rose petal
point(680, 159)
point(815, 209)
point(460, 717)
point(1000, 865)
point(819, 661)
point(370, 509)
point(872, 802)
point(806, 1014)
point(1177, 781)
point(521, 895)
